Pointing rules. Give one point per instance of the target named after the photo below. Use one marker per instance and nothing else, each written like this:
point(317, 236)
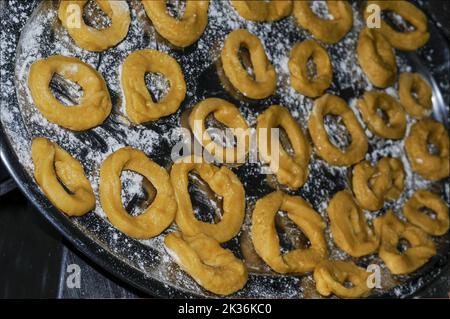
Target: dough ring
point(292, 170)
point(424, 199)
point(376, 58)
point(334, 105)
point(349, 228)
point(180, 32)
point(95, 104)
point(161, 212)
point(409, 40)
point(391, 230)
point(53, 168)
point(261, 11)
point(428, 165)
point(224, 183)
point(265, 82)
point(331, 276)
point(327, 30)
point(140, 106)
point(395, 126)
point(227, 114)
point(298, 68)
point(410, 83)
point(265, 237)
point(214, 268)
point(90, 38)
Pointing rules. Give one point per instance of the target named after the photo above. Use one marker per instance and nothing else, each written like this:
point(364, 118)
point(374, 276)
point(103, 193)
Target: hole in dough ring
point(334, 105)
point(140, 106)
point(410, 40)
point(413, 82)
point(349, 228)
point(224, 183)
point(95, 104)
point(52, 164)
point(396, 125)
point(298, 68)
point(331, 275)
point(265, 82)
point(161, 212)
point(214, 268)
point(93, 39)
point(390, 229)
point(432, 167)
point(265, 237)
point(261, 11)
point(327, 30)
point(180, 32)
point(292, 170)
point(425, 199)
point(227, 114)
point(376, 58)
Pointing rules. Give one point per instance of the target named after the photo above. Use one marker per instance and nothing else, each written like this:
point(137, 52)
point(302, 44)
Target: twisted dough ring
point(395, 126)
point(224, 183)
point(52, 164)
point(94, 106)
point(409, 40)
point(265, 82)
point(266, 241)
point(292, 170)
point(372, 185)
point(214, 268)
point(298, 68)
point(430, 166)
point(331, 104)
point(331, 275)
point(261, 11)
point(326, 30)
point(92, 39)
point(410, 83)
point(139, 104)
point(227, 114)
point(391, 230)
point(425, 199)
point(376, 58)
point(350, 230)
point(161, 212)
point(180, 32)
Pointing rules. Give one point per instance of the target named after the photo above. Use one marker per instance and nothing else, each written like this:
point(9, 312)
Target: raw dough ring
point(93, 39)
point(391, 230)
point(349, 228)
point(413, 82)
point(425, 199)
point(180, 32)
point(161, 212)
point(95, 104)
point(53, 167)
point(262, 11)
point(327, 30)
point(298, 68)
point(376, 58)
point(224, 183)
point(410, 40)
point(227, 114)
point(265, 81)
point(330, 276)
point(355, 152)
point(292, 170)
point(265, 237)
point(214, 268)
point(139, 104)
point(432, 167)
point(396, 123)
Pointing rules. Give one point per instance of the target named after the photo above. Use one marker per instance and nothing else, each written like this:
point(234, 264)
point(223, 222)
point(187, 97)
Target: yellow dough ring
point(410, 83)
point(262, 11)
